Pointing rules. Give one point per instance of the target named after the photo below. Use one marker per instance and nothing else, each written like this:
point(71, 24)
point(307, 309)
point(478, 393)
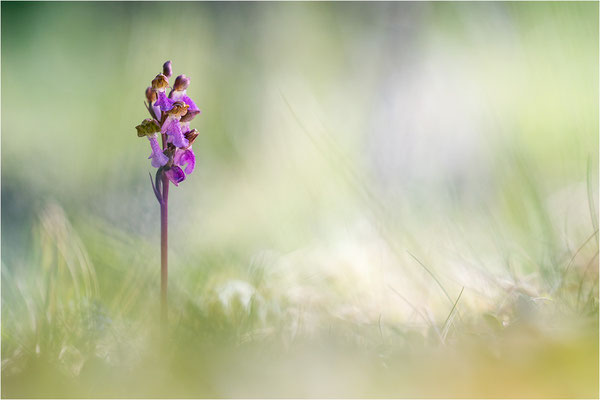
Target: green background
point(361, 167)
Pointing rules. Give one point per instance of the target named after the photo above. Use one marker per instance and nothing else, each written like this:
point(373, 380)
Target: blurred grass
point(351, 155)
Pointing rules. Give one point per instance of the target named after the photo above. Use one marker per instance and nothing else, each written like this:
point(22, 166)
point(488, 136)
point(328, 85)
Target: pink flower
point(158, 157)
point(185, 157)
point(175, 158)
point(175, 175)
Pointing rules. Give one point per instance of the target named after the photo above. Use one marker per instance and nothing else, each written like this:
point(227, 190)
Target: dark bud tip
point(181, 82)
point(167, 70)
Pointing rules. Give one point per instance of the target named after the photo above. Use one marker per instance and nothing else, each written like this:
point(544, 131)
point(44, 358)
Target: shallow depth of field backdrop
point(390, 199)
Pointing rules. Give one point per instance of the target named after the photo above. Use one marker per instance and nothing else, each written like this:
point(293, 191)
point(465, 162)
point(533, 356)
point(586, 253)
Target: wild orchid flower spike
point(172, 127)
point(171, 116)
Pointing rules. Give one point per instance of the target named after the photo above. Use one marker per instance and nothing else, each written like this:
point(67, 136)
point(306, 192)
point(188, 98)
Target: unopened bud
point(150, 95)
point(181, 82)
point(160, 82)
point(167, 70)
point(191, 135)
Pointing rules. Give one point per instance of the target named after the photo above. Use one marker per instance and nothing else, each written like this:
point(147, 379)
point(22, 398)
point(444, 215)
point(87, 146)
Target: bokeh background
point(390, 199)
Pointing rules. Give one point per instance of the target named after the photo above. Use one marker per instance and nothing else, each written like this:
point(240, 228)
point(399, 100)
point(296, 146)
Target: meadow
point(390, 200)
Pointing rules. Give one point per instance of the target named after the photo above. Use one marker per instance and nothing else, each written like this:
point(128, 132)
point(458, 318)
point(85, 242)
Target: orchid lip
point(185, 157)
point(175, 175)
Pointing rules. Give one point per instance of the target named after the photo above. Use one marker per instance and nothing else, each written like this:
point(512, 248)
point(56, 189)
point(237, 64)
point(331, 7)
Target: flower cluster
point(171, 116)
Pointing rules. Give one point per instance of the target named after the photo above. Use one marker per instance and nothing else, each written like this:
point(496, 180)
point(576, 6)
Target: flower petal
point(183, 157)
point(163, 102)
point(174, 130)
point(175, 175)
point(157, 112)
point(158, 157)
point(158, 160)
point(165, 126)
point(193, 107)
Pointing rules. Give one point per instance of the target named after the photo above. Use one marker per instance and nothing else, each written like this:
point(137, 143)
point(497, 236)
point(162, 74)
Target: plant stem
point(164, 249)
point(164, 231)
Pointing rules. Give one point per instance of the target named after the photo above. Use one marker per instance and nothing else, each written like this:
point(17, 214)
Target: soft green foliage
point(390, 200)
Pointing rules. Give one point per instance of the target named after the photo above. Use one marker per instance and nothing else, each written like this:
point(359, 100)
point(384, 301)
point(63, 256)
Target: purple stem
point(164, 272)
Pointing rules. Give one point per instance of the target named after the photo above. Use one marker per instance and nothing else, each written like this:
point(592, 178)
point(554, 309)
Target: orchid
point(172, 126)
point(179, 94)
point(170, 118)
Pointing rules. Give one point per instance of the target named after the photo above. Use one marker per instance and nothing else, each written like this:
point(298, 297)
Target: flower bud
point(160, 82)
point(191, 136)
point(181, 83)
point(150, 95)
point(167, 70)
point(189, 115)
